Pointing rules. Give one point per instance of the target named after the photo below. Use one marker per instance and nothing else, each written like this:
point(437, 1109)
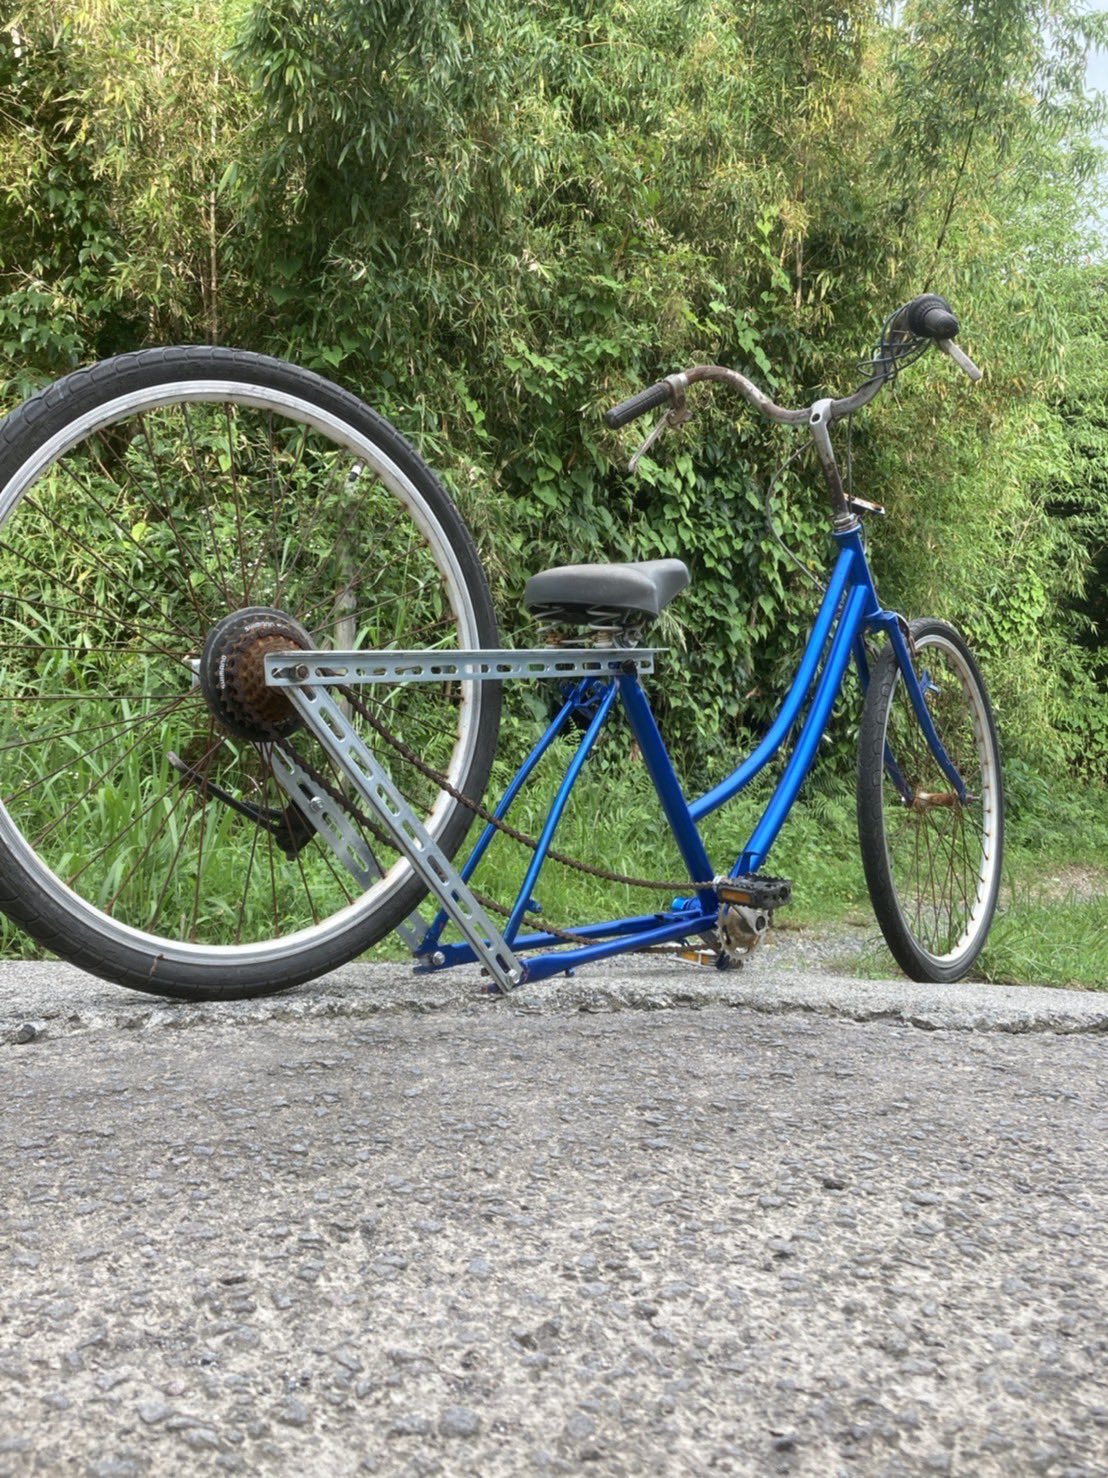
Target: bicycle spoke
point(182, 506)
point(171, 868)
point(70, 761)
point(246, 883)
point(380, 538)
point(112, 616)
point(33, 741)
point(94, 784)
point(189, 560)
point(357, 578)
point(125, 533)
point(277, 496)
point(203, 827)
point(236, 502)
point(114, 840)
point(221, 580)
point(937, 847)
point(288, 808)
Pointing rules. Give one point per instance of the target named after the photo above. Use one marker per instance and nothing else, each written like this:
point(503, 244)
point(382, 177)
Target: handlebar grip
point(930, 317)
point(638, 404)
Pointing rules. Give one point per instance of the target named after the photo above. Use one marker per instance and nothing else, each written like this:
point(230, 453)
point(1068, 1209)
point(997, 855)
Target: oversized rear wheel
point(167, 518)
point(932, 863)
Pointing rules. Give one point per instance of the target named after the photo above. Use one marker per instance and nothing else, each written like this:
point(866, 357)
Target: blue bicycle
point(251, 695)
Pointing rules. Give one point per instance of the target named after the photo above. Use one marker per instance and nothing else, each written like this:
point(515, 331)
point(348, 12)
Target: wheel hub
point(928, 800)
point(232, 672)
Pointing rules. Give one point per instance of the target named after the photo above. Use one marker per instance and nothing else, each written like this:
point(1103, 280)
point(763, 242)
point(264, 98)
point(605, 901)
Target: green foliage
point(493, 220)
point(117, 119)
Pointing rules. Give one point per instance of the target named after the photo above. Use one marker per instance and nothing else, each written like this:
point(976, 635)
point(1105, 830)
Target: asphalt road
point(647, 1221)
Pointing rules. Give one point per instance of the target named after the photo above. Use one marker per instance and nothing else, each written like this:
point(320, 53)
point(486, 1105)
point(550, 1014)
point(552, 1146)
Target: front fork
point(918, 685)
point(899, 634)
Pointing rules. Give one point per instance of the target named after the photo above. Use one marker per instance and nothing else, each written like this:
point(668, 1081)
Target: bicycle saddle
point(583, 595)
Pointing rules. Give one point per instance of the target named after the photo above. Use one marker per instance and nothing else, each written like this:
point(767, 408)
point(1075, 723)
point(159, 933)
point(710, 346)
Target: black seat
point(605, 595)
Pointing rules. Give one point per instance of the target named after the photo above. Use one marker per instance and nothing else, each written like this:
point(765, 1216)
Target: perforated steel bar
point(333, 826)
point(412, 839)
point(287, 669)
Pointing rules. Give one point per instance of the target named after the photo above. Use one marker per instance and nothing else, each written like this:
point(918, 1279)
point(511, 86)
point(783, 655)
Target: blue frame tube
point(547, 834)
point(547, 965)
point(594, 933)
point(794, 701)
point(629, 929)
point(660, 766)
point(557, 724)
point(522, 775)
point(800, 761)
point(923, 713)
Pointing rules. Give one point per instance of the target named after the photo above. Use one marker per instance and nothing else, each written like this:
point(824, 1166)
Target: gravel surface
point(378, 1226)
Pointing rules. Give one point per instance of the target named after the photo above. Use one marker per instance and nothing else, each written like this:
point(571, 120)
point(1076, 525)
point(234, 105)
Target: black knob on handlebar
point(929, 317)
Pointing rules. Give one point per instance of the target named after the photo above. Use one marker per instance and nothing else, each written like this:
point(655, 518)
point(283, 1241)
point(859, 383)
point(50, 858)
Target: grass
point(1051, 927)
point(1036, 939)
point(1050, 941)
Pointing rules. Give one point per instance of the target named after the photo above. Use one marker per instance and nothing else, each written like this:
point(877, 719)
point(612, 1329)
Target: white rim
point(987, 875)
point(293, 408)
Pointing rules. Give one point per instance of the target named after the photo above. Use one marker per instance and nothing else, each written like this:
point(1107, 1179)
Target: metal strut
point(412, 839)
point(346, 668)
point(329, 819)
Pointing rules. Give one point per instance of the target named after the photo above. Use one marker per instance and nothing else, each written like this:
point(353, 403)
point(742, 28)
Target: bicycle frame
point(849, 609)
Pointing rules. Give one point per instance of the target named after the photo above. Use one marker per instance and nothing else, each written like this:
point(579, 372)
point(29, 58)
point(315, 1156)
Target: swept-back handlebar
point(928, 317)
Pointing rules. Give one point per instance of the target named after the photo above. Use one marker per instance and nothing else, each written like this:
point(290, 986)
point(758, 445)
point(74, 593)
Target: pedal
point(755, 891)
point(746, 906)
point(702, 956)
point(697, 956)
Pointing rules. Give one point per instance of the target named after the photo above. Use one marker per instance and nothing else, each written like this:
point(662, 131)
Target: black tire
point(932, 865)
point(142, 501)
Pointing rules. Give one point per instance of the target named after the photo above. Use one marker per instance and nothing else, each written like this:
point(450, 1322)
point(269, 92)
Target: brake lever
point(677, 415)
point(960, 357)
point(651, 438)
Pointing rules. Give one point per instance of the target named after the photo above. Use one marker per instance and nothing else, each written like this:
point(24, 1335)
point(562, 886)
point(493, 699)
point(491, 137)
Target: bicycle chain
point(483, 813)
point(439, 779)
point(385, 840)
point(381, 836)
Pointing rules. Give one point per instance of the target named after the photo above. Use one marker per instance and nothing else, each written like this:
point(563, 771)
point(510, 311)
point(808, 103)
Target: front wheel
point(932, 863)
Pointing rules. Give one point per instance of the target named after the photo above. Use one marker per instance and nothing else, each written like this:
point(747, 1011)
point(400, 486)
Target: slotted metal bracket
point(373, 783)
point(333, 825)
point(288, 669)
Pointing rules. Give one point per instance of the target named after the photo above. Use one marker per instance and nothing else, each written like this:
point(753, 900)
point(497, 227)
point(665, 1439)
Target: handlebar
point(927, 317)
point(638, 405)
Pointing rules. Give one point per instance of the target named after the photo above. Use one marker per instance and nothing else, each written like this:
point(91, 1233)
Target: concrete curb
point(47, 999)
